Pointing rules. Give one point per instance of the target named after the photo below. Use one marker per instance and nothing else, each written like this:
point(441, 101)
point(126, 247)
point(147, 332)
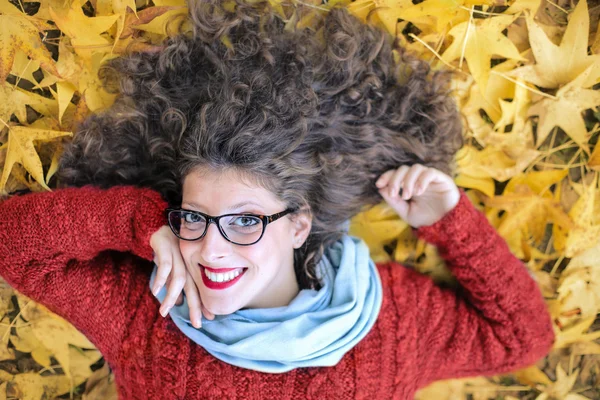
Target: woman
point(249, 147)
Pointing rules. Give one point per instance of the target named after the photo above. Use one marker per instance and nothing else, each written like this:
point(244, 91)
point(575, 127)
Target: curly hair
point(315, 115)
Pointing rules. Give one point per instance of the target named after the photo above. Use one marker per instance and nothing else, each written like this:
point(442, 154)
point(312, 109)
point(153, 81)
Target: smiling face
point(263, 273)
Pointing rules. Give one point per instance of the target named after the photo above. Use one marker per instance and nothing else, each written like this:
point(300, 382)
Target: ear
point(301, 226)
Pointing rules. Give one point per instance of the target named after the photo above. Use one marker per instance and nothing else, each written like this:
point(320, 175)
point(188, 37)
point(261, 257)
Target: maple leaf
point(564, 110)
point(522, 5)
point(558, 65)
point(478, 40)
point(23, 67)
point(377, 227)
point(20, 150)
point(142, 17)
point(492, 162)
point(84, 31)
point(445, 12)
point(158, 25)
point(514, 112)
point(13, 102)
point(18, 32)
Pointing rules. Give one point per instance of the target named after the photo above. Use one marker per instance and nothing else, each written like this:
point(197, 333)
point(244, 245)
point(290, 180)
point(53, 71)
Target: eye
point(245, 221)
point(192, 218)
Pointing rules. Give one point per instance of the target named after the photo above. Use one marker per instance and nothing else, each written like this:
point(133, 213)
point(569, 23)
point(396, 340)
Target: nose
point(213, 245)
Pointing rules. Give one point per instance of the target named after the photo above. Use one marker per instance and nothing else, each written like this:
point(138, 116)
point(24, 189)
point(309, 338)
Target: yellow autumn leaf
point(588, 258)
point(579, 289)
point(33, 386)
point(25, 341)
point(83, 31)
point(497, 89)
point(492, 162)
point(13, 102)
point(21, 150)
point(537, 181)
point(532, 376)
point(522, 5)
point(159, 24)
point(576, 333)
point(477, 41)
point(565, 111)
point(17, 32)
point(6, 353)
point(558, 65)
point(24, 67)
point(90, 86)
point(484, 184)
point(563, 384)
point(523, 208)
point(514, 112)
point(54, 332)
point(444, 12)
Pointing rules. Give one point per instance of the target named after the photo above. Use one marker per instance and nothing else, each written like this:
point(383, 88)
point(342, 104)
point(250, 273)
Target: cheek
point(186, 249)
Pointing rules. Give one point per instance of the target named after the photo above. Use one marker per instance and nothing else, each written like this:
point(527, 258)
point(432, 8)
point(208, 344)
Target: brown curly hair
point(316, 115)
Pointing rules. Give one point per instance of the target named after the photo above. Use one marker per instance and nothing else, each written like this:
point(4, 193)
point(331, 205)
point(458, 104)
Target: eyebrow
point(235, 206)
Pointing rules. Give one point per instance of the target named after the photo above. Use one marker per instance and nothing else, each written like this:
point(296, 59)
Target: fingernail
point(155, 290)
point(164, 311)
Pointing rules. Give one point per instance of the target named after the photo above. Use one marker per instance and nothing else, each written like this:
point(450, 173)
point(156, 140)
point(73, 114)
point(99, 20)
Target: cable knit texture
point(85, 254)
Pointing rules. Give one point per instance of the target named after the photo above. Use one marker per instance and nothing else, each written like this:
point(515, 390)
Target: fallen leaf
point(18, 32)
point(477, 41)
point(20, 150)
point(558, 65)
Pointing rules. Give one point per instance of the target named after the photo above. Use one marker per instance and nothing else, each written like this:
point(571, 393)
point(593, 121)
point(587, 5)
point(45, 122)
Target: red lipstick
point(220, 285)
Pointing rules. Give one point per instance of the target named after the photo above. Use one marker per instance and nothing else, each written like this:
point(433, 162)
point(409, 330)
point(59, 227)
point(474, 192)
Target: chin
point(222, 309)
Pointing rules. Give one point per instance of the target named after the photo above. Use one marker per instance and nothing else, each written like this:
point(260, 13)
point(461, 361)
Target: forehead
point(219, 192)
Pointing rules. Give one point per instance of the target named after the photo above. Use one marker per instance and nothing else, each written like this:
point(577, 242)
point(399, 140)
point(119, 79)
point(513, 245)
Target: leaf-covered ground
point(527, 85)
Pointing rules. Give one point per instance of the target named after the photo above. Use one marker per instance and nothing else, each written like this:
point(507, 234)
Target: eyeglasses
point(241, 229)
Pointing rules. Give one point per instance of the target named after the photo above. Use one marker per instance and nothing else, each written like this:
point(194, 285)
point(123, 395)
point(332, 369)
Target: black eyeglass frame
point(266, 220)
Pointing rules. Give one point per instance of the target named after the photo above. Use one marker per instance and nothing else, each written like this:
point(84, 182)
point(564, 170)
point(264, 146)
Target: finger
point(384, 178)
point(179, 300)
point(400, 206)
point(174, 289)
point(193, 300)
point(207, 314)
point(423, 181)
point(164, 269)
point(395, 183)
point(179, 266)
point(408, 184)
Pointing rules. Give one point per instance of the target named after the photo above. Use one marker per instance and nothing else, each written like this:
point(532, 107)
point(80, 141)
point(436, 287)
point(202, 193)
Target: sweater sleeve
point(496, 321)
point(54, 248)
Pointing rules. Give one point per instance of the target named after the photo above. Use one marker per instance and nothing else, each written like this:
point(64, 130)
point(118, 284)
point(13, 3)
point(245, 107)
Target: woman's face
point(266, 269)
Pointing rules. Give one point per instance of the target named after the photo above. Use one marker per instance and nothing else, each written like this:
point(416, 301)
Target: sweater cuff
point(456, 225)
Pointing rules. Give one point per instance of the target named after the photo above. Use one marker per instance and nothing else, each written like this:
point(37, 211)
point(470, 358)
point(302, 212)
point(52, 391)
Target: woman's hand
point(427, 193)
point(172, 271)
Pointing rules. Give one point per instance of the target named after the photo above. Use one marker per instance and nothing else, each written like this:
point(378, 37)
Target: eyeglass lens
point(239, 228)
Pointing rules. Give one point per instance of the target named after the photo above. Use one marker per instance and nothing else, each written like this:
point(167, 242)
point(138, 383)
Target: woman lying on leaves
point(226, 171)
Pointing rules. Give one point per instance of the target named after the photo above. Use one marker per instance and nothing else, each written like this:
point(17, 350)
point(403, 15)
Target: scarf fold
point(316, 329)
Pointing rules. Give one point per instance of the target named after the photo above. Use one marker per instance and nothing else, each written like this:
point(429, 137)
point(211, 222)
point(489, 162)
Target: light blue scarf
point(316, 329)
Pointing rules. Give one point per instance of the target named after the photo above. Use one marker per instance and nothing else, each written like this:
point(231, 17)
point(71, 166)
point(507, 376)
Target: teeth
point(225, 277)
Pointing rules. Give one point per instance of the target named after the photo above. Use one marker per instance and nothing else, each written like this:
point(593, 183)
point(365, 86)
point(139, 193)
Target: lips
point(219, 270)
point(220, 285)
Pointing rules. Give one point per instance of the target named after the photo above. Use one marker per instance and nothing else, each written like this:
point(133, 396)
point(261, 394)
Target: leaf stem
point(557, 6)
point(524, 86)
point(412, 35)
point(464, 47)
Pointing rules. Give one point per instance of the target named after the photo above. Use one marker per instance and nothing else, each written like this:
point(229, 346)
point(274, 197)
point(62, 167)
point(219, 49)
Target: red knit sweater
point(85, 254)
